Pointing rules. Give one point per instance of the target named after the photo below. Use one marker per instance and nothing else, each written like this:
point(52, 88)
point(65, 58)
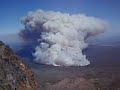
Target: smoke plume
point(61, 36)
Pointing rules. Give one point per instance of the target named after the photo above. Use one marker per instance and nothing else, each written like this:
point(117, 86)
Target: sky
point(13, 10)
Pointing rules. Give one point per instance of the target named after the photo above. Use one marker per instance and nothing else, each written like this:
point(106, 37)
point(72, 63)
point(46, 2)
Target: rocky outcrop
point(14, 75)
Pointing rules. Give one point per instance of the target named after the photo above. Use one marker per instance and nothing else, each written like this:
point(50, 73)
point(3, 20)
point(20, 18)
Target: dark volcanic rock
point(14, 75)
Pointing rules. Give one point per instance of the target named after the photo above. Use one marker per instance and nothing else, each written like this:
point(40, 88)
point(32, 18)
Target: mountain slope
point(14, 75)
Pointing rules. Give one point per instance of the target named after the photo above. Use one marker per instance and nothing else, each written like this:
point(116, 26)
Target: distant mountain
point(14, 75)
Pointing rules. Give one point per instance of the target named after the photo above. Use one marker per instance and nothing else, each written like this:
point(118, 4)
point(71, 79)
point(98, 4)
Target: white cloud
point(62, 36)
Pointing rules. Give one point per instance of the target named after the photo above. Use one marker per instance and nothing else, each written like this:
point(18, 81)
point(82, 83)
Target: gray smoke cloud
point(61, 36)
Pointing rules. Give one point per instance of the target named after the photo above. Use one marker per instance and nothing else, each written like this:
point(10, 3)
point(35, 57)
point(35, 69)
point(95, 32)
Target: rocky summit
point(14, 75)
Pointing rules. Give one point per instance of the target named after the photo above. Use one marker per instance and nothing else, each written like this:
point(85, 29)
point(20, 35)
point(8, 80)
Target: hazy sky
point(13, 10)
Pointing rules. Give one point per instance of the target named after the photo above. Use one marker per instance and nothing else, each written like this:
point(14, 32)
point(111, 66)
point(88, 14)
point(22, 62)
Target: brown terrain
point(14, 75)
point(78, 78)
point(102, 74)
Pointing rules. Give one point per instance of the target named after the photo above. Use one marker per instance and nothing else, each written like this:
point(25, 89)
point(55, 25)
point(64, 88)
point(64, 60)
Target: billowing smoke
point(61, 36)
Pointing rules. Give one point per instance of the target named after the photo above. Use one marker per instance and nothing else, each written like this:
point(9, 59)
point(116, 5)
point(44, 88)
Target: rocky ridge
point(14, 75)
